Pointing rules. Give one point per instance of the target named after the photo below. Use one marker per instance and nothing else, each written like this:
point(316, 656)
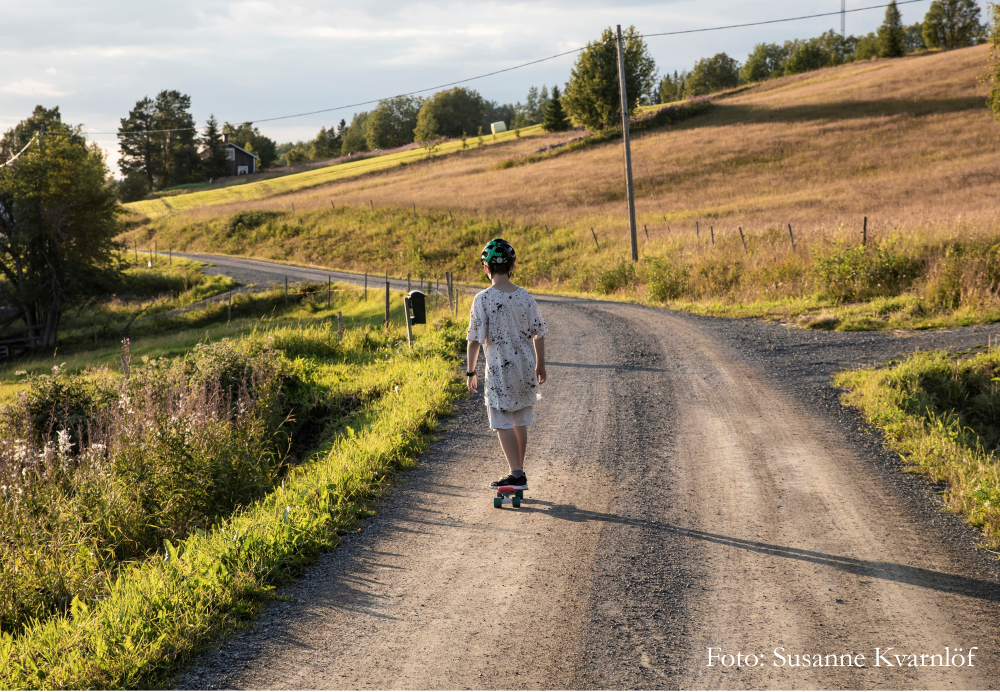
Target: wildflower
point(55, 369)
point(65, 446)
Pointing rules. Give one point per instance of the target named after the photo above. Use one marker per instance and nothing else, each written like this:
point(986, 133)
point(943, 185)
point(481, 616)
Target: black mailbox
point(418, 307)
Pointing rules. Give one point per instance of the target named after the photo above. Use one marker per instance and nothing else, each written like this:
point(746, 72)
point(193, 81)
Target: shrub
point(619, 276)
point(242, 222)
point(717, 275)
point(667, 282)
point(860, 272)
point(966, 274)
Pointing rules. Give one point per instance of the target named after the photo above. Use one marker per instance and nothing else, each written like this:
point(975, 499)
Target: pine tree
point(213, 153)
point(136, 142)
point(891, 35)
point(555, 117)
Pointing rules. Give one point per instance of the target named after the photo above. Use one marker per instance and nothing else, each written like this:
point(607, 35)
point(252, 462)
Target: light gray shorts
point(505, 420)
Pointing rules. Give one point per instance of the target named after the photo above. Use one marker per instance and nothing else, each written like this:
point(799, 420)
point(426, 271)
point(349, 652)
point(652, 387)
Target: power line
point(535, 62)
point(778, 21)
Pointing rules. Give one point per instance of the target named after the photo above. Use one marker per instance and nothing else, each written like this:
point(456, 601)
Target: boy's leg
point(511, 444)
point(522, 440)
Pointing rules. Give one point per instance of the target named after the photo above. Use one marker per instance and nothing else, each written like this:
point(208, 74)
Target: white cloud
point(51, 70)
point(30, 87)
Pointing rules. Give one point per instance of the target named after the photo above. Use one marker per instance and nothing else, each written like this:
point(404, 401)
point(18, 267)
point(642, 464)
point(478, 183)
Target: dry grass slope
point(907, 143)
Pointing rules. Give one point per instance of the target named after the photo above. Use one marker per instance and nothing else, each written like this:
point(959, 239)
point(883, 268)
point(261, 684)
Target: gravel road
point(694, 484)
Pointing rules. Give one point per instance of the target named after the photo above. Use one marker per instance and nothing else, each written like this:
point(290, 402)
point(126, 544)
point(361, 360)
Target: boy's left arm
point(540, 358)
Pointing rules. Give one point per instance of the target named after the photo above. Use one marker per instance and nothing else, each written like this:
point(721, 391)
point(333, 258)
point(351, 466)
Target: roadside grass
point(133, 543)
point(941, 412)
point(172, 337)
point(898, 281)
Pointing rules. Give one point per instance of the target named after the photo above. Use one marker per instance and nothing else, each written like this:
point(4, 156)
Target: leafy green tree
point(766, 61)
point(543, 101)
point(712, 74)
point(891, 35)
point(805, 56)
point(592, 94)
point(450, 113)
point(213, 153)
point(671, 88)
point(497, 112)
point(914, 40)
point(132, 188)
point(356, 139)
point(866, 47)
point(951, 24)
point(326, 145)
point(555, 119)
point(295, 156)
point(391, 124)
point(136, 141)
point(249, 137)
point(58, 211)
point(837, 49)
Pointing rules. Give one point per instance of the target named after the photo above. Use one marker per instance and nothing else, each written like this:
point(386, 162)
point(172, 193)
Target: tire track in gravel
point(694, 484)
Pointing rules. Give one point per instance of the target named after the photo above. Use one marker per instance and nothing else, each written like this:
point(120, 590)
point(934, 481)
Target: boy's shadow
point(876, 569)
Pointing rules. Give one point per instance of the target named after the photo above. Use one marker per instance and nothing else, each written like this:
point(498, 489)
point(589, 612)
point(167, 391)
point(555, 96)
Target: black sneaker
point(518, 483)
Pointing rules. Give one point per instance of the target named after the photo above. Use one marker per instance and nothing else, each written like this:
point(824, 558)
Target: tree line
point(948, 24)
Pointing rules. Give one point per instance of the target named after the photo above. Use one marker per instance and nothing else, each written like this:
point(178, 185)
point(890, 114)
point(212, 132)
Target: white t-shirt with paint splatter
point(506, 323)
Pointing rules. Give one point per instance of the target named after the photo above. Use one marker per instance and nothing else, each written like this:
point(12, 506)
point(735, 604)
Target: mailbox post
point(415, 308)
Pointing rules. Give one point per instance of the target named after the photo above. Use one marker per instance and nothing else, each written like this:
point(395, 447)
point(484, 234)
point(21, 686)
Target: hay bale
point(498, 127)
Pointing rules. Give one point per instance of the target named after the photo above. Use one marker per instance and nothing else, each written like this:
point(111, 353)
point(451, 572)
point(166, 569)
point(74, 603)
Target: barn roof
point(236, 146)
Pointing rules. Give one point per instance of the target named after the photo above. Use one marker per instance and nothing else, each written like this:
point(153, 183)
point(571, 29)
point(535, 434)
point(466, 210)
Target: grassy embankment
point(145, 516)
point(941, 412)
point(906, 143)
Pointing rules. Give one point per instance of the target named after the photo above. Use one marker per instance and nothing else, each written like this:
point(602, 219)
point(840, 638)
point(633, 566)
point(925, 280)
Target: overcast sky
point(258, 59)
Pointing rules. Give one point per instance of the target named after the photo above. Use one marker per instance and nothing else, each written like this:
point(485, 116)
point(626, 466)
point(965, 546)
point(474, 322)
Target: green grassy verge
point(910, 282)
point(941, 412)
point(119, 612)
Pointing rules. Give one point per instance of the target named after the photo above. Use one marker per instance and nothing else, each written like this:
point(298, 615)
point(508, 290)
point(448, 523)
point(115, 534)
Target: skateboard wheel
point(516, 502)
point(518, 494)
point(498, 502)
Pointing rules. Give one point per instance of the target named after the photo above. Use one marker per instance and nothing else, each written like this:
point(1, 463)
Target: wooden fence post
point(745, 251)
point(387, 298)
point(791, 237)
point(595, 238)
point(864, 232)
point(406, 316)
point(340, 325)
point(646, 228)
point(452, 218)
point(372, 203)
point(712, 229)
point(697, 231)
point(547, 234)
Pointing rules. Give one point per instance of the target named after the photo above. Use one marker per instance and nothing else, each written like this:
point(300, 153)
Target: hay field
point(907, 143)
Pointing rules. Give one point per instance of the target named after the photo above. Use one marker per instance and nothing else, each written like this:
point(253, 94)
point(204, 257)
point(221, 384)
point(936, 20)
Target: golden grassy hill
point(908, 143)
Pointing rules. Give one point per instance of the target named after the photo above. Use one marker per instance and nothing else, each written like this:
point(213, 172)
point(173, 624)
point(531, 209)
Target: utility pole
point(843, 18)
point(628, 149)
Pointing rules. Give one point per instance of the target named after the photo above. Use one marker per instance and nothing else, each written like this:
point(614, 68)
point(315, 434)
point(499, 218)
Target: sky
point(254, 59)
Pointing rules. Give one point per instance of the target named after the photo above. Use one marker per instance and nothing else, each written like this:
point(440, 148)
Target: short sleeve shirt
point(506, 323)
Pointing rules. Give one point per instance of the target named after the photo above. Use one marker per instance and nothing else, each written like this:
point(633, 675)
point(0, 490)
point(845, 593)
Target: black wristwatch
point(471, 374)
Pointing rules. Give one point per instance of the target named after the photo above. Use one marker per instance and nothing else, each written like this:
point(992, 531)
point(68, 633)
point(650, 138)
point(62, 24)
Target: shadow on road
point(892, 571)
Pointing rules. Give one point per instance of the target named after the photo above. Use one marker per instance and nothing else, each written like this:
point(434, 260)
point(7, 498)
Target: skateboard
point(507, 494)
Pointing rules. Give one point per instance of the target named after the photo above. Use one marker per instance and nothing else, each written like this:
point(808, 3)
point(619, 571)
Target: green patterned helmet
point(498, 251)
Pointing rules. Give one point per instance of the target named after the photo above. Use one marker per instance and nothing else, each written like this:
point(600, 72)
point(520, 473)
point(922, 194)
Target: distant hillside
point(907, 143)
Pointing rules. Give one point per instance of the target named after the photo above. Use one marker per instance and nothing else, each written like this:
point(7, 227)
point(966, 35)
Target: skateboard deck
point(507, 494)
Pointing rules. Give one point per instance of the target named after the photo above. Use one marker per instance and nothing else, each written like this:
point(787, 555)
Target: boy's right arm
point(471, 356)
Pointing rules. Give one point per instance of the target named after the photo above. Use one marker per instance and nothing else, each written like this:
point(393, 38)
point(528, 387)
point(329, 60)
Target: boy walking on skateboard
point(506, 319)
